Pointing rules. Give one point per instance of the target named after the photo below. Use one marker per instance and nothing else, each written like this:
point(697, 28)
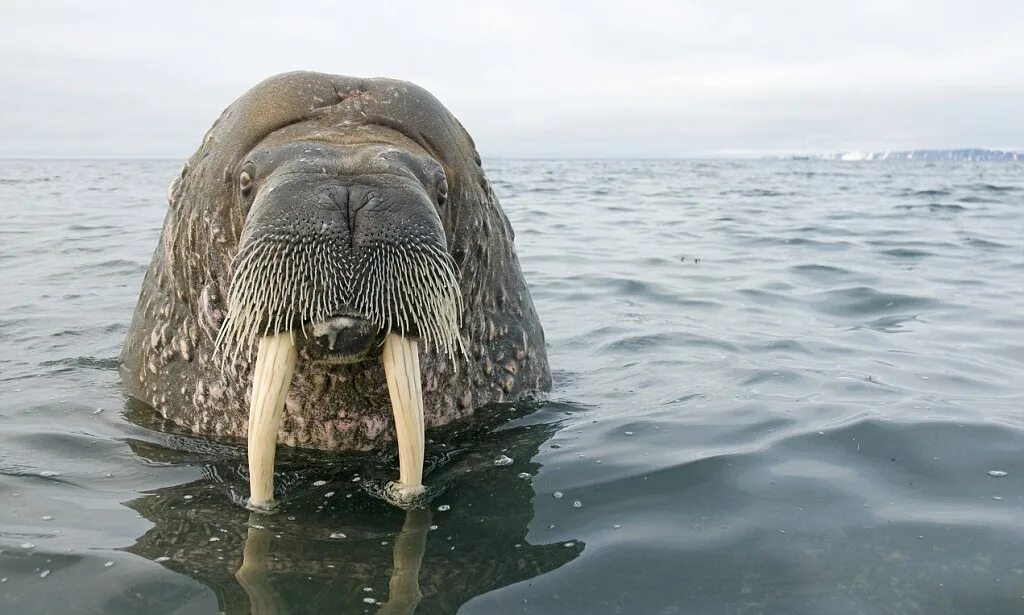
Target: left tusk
point(275, 363)
point(402, 368)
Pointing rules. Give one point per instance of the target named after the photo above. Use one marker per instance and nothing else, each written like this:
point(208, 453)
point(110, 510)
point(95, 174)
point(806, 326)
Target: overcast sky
point(544, 79)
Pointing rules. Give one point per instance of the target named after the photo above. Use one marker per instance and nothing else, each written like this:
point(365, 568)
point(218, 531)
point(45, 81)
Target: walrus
point(333, 261)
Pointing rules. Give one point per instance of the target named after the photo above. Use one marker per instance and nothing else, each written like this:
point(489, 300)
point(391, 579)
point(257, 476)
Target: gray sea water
point(779, 387)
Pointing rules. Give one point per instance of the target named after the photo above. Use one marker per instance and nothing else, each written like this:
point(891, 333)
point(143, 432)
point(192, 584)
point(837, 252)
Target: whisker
point(411, 287)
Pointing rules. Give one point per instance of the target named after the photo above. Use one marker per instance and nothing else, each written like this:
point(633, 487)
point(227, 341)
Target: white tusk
point(402, 367)
point(271, 379)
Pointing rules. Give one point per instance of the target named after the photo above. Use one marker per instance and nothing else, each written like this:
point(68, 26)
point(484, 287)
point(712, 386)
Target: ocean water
point(779, 387)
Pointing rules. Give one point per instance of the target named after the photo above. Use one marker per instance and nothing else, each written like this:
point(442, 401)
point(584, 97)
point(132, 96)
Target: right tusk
point(275, 363)
point(402, 368)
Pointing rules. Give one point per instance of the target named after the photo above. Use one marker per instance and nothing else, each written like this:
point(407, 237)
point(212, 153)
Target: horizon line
point(741, 155)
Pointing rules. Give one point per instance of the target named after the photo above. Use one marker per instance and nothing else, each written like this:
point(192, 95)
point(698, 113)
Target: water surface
point(780, 387)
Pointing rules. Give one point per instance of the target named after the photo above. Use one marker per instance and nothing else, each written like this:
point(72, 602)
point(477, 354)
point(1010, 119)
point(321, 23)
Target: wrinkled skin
point(349, 163)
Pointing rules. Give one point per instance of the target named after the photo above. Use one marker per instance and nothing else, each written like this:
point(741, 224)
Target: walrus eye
point(442, 192)
point(245, 182)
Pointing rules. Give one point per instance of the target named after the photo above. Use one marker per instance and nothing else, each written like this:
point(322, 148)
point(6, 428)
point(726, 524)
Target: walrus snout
point(342, 255)
point(341, 230)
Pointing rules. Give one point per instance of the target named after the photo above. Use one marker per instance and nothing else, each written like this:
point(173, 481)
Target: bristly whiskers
point(280, 284)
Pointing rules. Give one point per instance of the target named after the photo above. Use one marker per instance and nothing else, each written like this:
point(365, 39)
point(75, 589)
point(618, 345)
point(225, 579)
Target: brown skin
point(168, 359)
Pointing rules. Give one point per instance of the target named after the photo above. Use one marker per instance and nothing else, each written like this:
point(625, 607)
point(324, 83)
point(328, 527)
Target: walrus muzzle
point(342, 255)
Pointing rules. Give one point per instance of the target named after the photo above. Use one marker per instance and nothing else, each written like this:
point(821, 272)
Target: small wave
point(939, 207)
point(994, 188)
point(934, 192)
point(667, 340)
point(92, 227)
point(20, 471)
point(866, 301)
point(821, 273)
point(100, 363)
point(977, 242)
point(976, 199)
point(907, 253)
point(889, 324)
point(759, 193)
point(584, 287)
point(22, 181)
point(774, 375)
point(833, 246)
point(778, 347)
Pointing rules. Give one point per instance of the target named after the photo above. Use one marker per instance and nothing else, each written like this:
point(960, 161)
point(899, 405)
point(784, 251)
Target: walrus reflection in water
point(343, 232)
point(289, 563)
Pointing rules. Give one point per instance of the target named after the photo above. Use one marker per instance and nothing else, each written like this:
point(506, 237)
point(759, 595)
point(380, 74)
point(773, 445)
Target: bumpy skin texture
point(168, 357)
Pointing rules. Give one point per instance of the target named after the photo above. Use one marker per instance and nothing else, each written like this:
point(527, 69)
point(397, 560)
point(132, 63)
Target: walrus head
point(342, 232)
point(343, 249)
point(344, 244)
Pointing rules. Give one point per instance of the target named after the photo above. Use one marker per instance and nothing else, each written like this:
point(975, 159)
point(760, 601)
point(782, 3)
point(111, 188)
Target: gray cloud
point(531, 78)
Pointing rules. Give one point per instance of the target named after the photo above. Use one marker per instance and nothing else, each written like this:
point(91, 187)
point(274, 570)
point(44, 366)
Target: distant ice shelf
point(929, 155)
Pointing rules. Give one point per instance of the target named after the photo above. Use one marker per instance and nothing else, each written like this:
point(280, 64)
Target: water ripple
point(780, 386)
